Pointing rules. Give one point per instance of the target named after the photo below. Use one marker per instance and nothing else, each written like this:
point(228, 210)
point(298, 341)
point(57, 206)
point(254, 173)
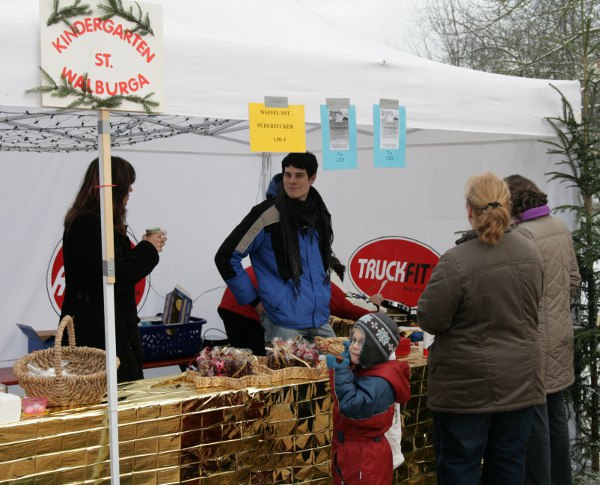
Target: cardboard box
point(37, 339)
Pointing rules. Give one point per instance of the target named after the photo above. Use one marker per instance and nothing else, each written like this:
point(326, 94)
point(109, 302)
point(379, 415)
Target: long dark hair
point(87, 200)
point(524, 194)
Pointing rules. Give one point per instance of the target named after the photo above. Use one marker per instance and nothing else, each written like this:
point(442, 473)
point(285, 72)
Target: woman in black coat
point(82, 249)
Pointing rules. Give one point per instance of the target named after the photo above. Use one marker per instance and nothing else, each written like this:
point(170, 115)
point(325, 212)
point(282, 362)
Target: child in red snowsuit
point(363, 402)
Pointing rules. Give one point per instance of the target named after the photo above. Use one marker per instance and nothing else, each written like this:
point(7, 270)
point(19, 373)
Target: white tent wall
point(188, 194)
point(220, 55)
point(199, 188)
point(425, 200)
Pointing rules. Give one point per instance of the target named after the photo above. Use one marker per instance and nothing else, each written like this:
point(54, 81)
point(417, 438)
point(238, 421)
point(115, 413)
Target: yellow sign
point(277, 129)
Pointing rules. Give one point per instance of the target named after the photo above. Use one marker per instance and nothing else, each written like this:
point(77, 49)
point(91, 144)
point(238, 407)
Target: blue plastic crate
point(37, 339)
point(173, 341)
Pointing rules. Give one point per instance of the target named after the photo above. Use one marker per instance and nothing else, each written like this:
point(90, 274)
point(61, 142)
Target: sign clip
point(276, 102)
point(108, 268)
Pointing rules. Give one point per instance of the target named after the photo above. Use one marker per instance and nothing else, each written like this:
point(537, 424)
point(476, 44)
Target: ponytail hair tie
point(493, 205)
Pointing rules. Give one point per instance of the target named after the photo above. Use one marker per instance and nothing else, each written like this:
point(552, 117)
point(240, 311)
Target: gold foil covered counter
point(170, 432)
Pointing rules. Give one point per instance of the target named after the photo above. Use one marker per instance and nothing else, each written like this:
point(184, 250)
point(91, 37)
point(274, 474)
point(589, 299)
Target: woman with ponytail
point(481, 304)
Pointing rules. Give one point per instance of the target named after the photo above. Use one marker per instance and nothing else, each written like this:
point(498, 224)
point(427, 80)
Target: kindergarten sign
point(102, 54)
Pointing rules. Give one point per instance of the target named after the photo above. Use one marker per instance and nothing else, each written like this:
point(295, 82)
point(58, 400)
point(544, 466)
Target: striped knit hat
point(381, 338)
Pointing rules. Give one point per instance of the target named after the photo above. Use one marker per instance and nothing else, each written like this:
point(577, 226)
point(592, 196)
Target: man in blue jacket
point(288, 238)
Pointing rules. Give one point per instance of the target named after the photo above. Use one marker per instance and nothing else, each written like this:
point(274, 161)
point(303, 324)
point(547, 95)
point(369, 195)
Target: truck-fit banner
point(399, 266)
point(55, 281)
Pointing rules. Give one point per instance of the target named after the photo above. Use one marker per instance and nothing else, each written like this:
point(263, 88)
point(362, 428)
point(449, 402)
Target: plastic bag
point(394, 436)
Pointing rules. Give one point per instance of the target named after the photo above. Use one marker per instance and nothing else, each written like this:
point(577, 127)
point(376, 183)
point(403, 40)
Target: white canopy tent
point(220, 55)
point(223, 54)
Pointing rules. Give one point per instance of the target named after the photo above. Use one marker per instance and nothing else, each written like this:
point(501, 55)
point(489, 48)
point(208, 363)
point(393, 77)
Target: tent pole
point(265, 175)
point(108, 271)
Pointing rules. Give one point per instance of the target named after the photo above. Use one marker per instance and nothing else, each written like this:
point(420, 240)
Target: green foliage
point(113, 8)
point(85, 98)
point(577, 143)
point(141, 21)
point(64, 14)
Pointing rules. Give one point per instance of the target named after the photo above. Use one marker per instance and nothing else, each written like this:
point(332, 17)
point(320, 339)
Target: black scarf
point(310, 216)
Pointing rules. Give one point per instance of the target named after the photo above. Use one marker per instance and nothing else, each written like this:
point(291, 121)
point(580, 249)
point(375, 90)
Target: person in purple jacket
point(548, 459)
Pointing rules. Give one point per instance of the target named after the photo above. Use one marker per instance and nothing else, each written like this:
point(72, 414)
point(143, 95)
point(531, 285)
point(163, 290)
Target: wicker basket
point(233, 382)
point(289, 373)
point(330, 345)
point(86, 383)
point(293, 372)
point(261, 377)
point(341, 326)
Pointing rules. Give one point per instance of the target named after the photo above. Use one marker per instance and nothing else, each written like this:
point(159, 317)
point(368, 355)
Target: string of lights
point(49, 130)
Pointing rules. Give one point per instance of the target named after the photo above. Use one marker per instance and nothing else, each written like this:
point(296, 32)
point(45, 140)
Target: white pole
point(108, 271)
point(265, 177)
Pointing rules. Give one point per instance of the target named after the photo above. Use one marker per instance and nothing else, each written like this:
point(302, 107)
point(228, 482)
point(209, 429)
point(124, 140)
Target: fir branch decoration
point(68, 12)
point(115, 9)
point(84, 97)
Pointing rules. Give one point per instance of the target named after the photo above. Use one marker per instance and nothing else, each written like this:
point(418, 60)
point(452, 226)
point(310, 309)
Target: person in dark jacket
point(365, 387)
point(485, 375)
point(548, 454)
point(82, 250)
point(241, 322)
point(288, 239)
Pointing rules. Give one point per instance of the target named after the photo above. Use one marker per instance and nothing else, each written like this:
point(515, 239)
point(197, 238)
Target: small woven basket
point(86, 382)
point(261, 377)
point(293, 372)
point(304, 373)
point(341, 326)
point(330, 345)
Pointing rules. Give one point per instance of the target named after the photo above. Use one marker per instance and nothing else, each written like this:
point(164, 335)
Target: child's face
point(357, 339)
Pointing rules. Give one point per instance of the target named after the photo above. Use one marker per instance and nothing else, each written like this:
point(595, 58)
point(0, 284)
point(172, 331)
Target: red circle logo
point(55, 281)
point(400, 265)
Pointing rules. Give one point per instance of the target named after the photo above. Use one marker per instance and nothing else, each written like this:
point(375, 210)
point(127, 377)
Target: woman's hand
point(376, 299)
point(158, 240)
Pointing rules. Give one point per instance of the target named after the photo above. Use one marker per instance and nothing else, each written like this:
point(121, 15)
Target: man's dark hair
point(303, 161)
